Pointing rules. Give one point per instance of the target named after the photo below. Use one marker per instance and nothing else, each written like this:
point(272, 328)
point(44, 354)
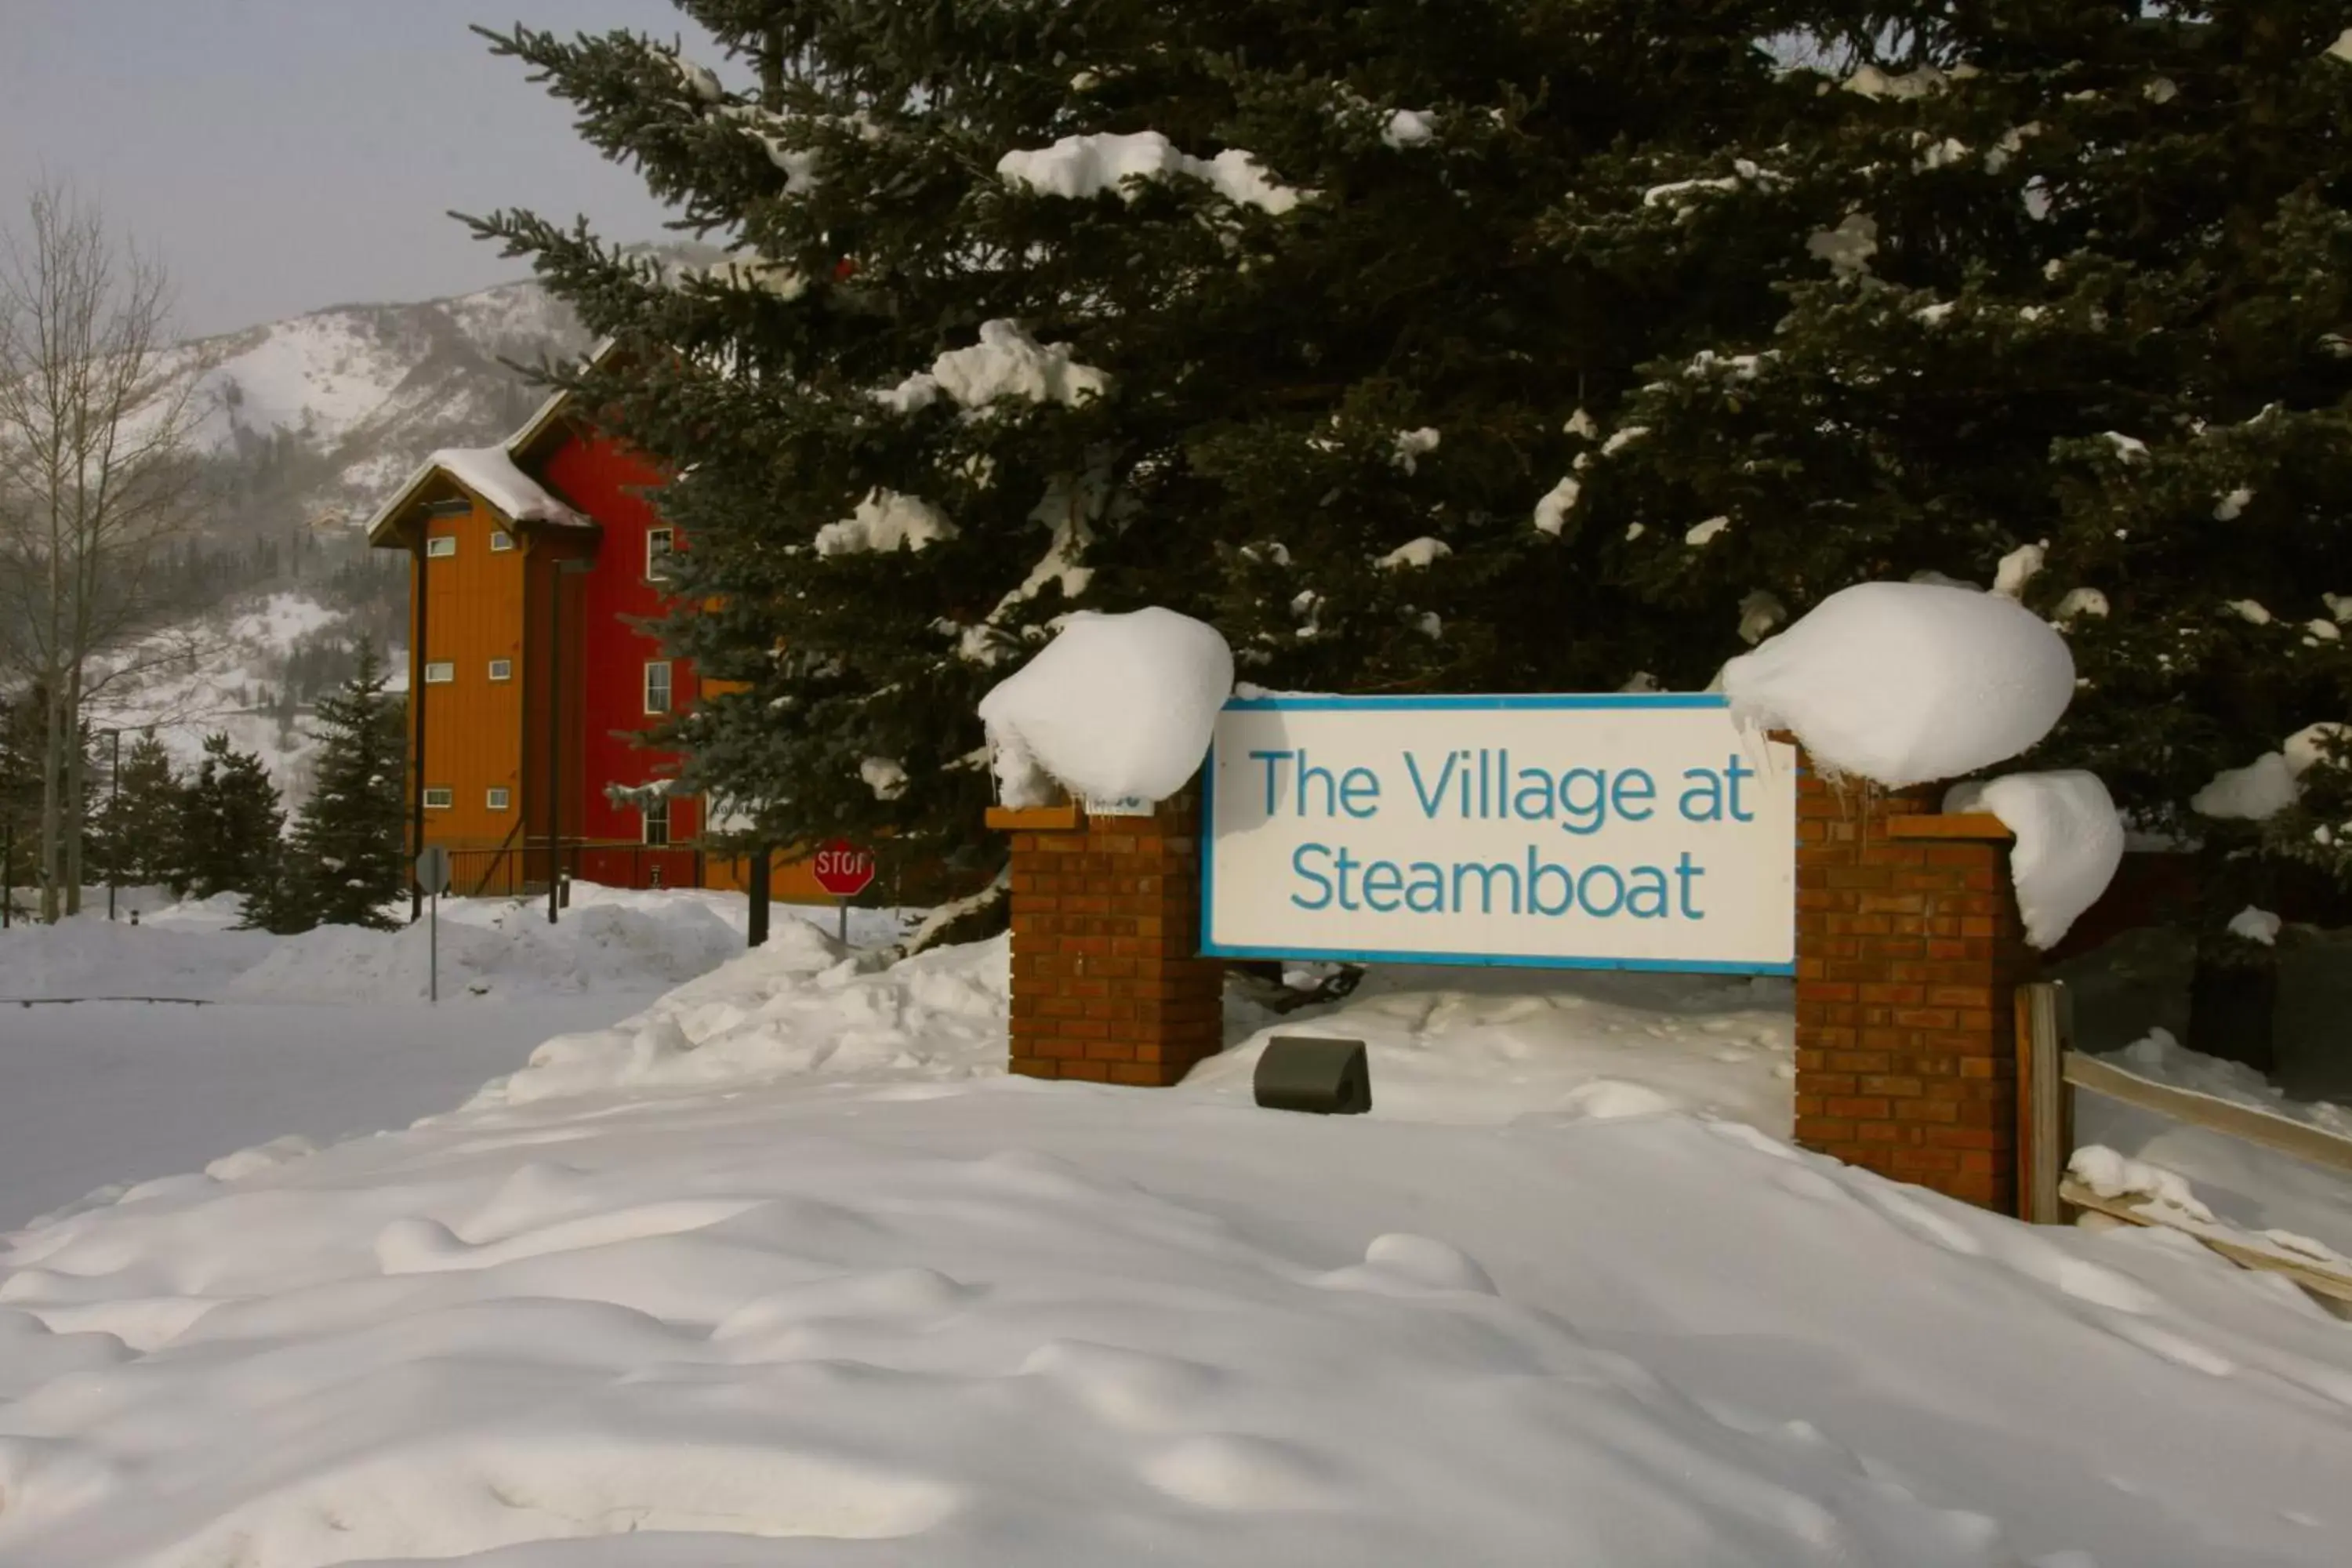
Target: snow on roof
point(490, 473)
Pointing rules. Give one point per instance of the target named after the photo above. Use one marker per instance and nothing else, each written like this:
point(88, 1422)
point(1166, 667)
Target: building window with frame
point(440, 671)
point(659, 542)
point(439, 797)
point(656, 816)
point(501, 540)
point(497, 799)
point(657, 692)
point(441, 544)
point(501, 669)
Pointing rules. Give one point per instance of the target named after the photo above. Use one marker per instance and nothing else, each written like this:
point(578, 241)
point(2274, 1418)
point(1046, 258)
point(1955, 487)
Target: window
point(501, 669)
point(500, 539)
point(657, 686)
point(658, 548)
point(438, 797)
point(498, 800)
point(440, 672)
point(656, 813)
point(441, 544)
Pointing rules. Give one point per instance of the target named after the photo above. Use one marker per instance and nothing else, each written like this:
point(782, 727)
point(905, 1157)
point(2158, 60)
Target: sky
point(285, 155)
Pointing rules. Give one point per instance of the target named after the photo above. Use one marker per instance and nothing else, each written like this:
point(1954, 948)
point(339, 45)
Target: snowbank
point(1084, 166)
point(514, 952)
point(2069, 842)
point(1116, 707)
point(1905, 683)
point(799, 1005)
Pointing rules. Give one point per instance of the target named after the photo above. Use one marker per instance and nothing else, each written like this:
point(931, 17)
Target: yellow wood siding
point(473, 724)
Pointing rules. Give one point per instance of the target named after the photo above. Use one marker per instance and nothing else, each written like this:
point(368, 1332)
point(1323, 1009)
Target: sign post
point(1616, 831)
point(844, 870)
point(433, 878)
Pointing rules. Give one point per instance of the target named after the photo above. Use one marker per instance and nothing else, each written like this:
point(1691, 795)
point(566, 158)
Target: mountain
point(311, 422)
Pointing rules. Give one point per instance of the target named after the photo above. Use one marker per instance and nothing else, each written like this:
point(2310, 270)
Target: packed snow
point(1115, 707)
point(2070, 843)
point(1007, 363)
point(1551, 511)
point(1421, 552)
point(1084, 166)
point(2271, 781)
point(1907, 683)
point(2256, 925)
point(884, 521)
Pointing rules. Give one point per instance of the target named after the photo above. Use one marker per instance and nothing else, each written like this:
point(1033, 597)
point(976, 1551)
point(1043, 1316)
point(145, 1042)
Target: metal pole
point(114, 816)
point(759, 890)
point(844, 922)
point(433, 943)
point(416, 684)
point(554, 730)
point(8, 858)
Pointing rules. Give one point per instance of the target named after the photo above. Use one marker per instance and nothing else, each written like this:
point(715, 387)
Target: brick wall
point(1909, 951)
point(1105, 925)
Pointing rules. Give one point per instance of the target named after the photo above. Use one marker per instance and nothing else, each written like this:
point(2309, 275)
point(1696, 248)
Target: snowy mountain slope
point(225, 672)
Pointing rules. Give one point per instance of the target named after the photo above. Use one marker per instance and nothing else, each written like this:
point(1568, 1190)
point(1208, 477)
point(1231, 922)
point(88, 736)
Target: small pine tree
point(230, 821)
point(343, 861)
point(138, 824)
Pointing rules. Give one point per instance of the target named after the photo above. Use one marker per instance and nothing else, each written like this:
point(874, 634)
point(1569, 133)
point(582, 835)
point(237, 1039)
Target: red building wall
point(603, 479)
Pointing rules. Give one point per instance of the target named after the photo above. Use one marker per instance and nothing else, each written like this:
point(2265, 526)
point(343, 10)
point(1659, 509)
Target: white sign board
point(1605, 832)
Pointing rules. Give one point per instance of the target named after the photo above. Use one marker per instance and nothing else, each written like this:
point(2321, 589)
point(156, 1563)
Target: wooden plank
point(1978, 825)
point(2042, 1142)
point(2312, 1276)
point(2298, 1139)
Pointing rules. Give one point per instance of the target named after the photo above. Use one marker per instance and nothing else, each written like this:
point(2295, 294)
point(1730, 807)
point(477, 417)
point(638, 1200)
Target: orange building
point(530, 690)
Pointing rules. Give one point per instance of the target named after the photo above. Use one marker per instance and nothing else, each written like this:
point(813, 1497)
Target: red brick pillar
point(1909, 952)
point(1106, 928)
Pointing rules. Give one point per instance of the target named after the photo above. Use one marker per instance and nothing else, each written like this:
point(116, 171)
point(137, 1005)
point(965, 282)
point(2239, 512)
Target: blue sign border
point(1522, 702)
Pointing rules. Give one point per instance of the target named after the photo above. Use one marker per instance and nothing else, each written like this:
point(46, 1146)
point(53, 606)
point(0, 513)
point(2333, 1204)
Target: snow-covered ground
point(784, 1269)
point(319, 1035)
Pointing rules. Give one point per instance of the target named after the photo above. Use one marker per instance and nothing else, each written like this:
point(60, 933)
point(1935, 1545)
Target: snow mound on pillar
point(2070, 841)
point(1902, 683)
point(1116, 707)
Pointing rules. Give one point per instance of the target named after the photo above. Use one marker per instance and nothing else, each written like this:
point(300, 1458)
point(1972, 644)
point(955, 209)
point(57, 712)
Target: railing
point(2050, 1072)
point(520, 868)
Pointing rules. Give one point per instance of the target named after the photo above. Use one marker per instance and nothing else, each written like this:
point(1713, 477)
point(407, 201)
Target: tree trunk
point(76, 806)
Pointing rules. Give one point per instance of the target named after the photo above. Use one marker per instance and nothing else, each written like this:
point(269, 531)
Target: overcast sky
point(285, 155)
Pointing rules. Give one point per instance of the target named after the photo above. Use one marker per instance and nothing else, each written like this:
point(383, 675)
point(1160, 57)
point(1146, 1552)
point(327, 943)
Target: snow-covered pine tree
point(229, 823)
point(1255, 310)
point(138, 823)
point(344, 860)
point(2078, 326)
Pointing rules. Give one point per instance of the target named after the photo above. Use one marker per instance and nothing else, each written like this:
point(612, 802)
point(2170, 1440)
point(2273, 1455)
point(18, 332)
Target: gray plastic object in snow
point(1329, 1077)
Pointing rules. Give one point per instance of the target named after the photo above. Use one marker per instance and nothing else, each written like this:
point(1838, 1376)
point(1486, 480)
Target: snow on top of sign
point(490, 473)
point(1116, 707)
point(1904, 683)
point(2070, 841)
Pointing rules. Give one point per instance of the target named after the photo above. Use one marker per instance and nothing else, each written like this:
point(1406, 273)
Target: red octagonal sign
point(844, 870)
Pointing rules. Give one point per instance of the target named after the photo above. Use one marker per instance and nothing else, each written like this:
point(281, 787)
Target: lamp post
point(568, 567)
point(114, 820)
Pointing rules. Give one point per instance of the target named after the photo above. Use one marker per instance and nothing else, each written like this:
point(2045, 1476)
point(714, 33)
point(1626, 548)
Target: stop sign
point(844, 870)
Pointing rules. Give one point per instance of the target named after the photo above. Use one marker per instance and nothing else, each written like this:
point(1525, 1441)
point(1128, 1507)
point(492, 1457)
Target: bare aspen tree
point(97, 480)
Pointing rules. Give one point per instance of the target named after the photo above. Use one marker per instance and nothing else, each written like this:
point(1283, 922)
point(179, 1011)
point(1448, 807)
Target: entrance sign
point(1590, 832)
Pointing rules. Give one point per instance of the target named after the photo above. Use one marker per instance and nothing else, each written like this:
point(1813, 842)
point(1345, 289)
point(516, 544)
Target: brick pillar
point(1909, 951)
point(1106, 928)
